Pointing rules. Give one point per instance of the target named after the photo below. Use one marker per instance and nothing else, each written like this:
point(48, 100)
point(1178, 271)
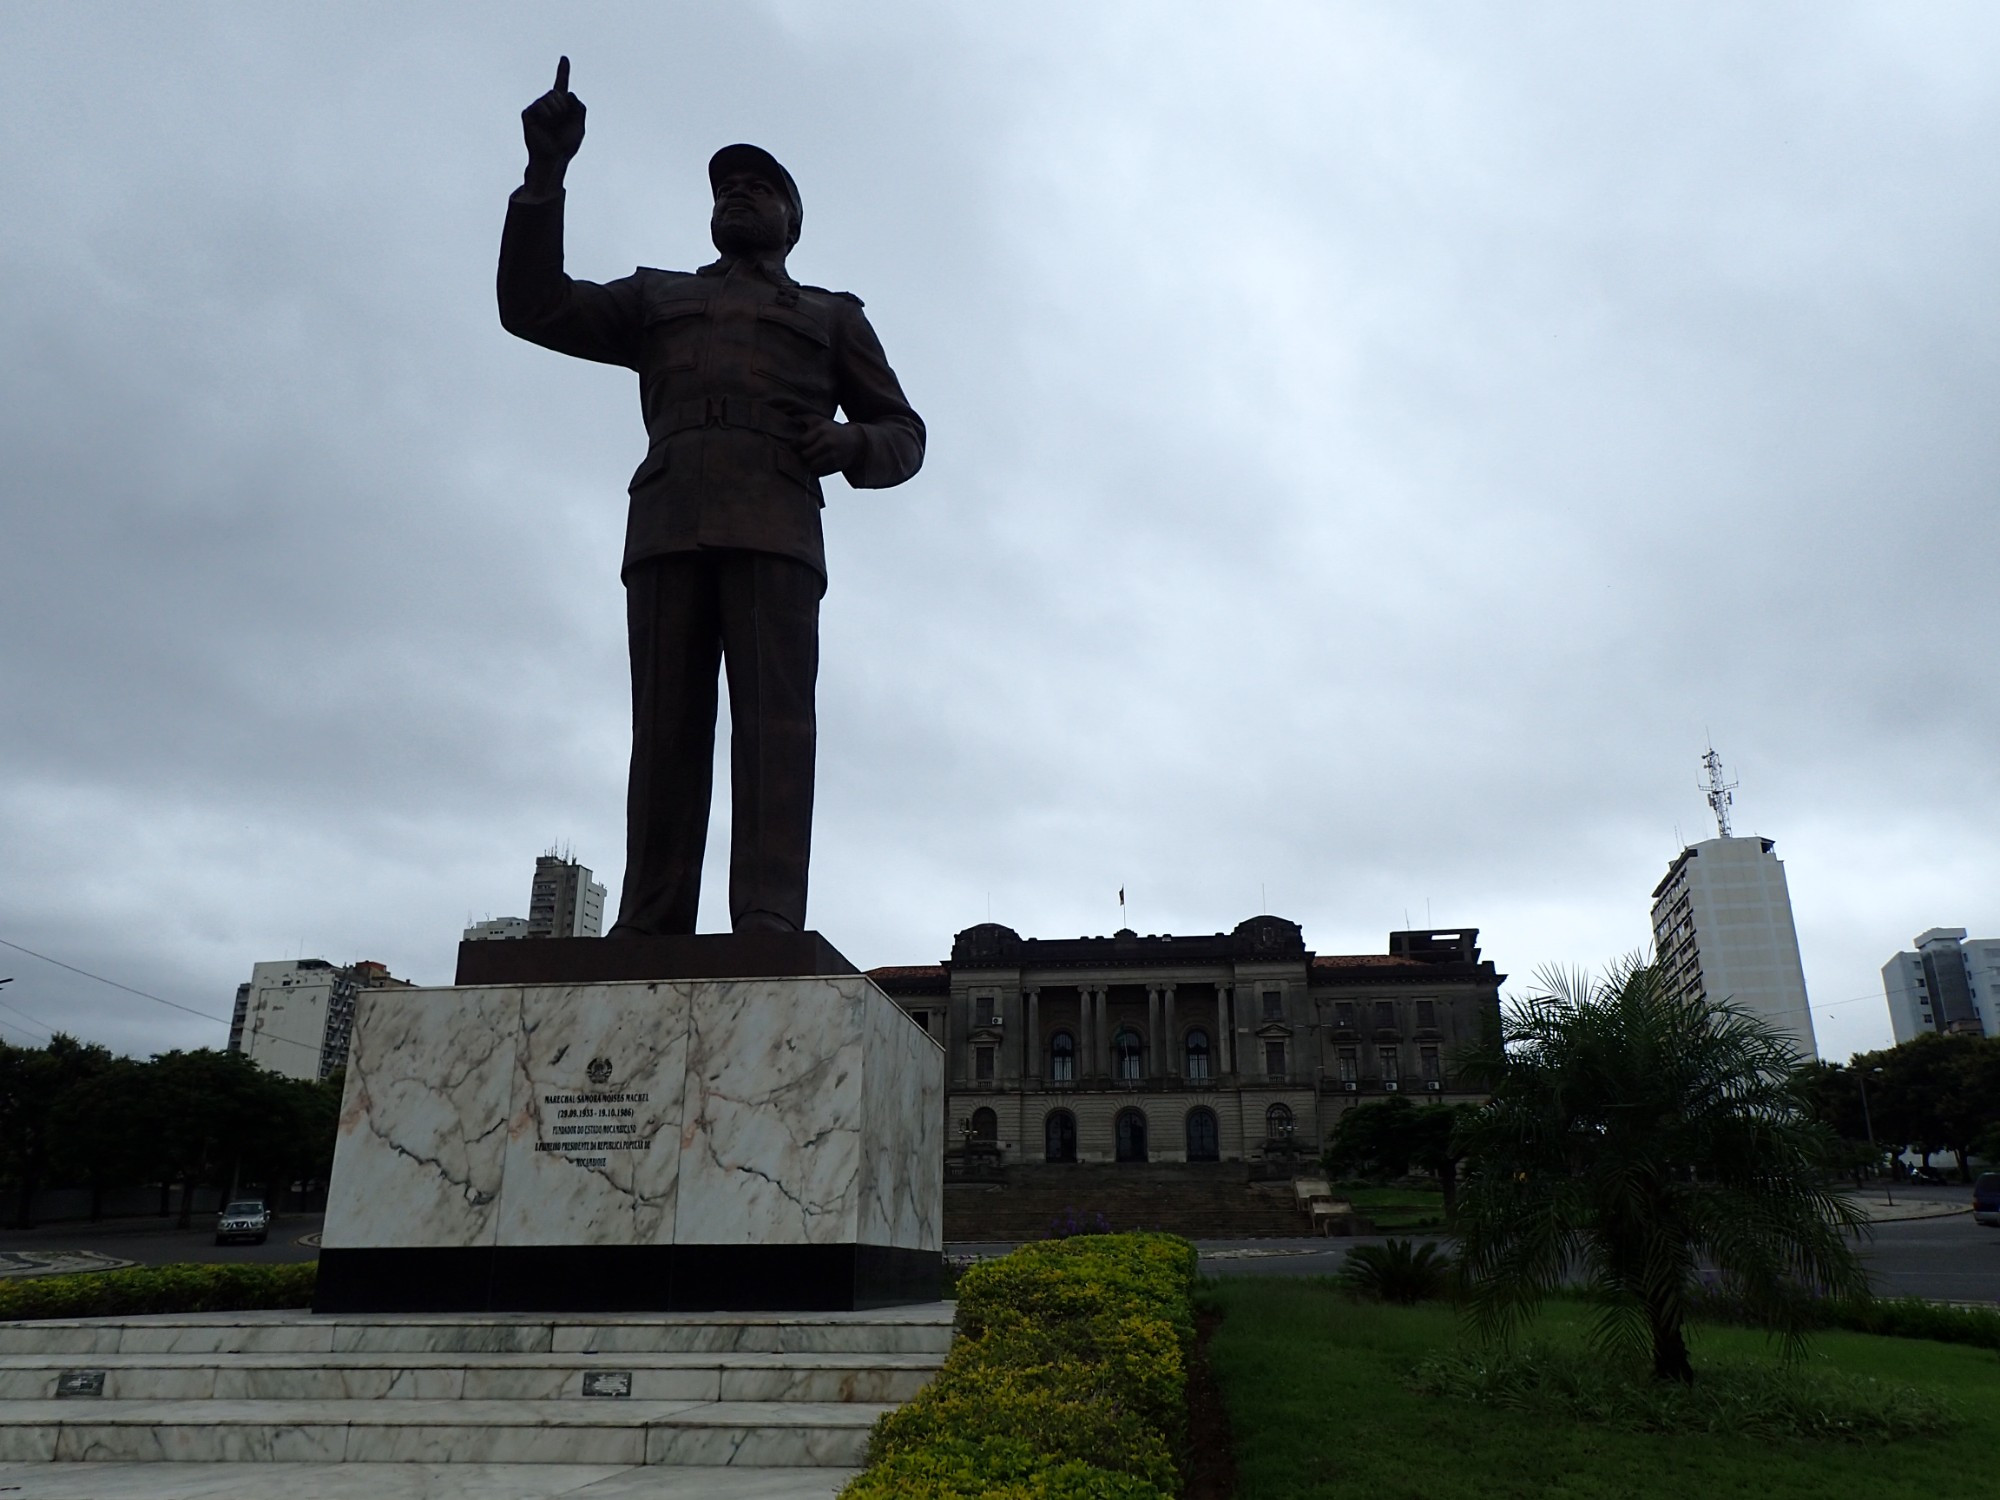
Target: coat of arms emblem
point(599, 1070)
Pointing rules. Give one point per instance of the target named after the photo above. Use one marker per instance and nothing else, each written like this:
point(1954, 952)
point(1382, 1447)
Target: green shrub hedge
point(159, 1289)
point(1894, 1317)
point(1914, 1318)
point(1067, 1381)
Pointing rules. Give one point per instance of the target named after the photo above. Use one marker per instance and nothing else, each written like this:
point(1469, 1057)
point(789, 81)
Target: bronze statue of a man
point(740, 372)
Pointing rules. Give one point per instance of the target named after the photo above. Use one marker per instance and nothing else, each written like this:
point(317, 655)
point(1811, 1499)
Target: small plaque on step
point(607, 1382)
point(80, 1383)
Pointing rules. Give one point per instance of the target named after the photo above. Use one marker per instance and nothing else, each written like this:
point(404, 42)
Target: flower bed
point(1068, 1380)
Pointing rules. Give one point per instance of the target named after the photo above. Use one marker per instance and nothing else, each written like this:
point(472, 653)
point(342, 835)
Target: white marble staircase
point(765, 1390)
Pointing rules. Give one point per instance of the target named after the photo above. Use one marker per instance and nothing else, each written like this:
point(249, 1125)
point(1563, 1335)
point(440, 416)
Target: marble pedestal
point(740, 1144)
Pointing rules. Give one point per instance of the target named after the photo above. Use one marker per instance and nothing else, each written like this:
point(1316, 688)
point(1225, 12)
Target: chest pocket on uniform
point(673, 333)
point(793, 348)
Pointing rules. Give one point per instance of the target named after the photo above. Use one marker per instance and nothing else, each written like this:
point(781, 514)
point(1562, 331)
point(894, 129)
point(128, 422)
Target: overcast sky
point(1373, 448)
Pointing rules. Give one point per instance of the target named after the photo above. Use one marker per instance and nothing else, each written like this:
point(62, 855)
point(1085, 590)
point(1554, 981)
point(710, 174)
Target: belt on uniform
point(742, 412)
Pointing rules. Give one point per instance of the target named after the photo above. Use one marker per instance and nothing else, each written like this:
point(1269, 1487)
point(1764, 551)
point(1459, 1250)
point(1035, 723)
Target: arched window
point(1059, 1136)
point(985, 1125)
point(1197, 1055)
point(1062, 1058)
point(1203, 1143)
point(1125, 1052)
point(1131, 1135)
point(1278, 1122)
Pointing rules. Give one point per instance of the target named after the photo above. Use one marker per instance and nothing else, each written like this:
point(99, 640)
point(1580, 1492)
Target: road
point(155, 1242)
point(1946, 1259)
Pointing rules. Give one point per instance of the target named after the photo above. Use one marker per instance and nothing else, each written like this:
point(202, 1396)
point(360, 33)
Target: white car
point(245, 1219)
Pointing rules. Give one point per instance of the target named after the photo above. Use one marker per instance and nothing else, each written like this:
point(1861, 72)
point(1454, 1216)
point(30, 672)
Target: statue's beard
point(743, 237)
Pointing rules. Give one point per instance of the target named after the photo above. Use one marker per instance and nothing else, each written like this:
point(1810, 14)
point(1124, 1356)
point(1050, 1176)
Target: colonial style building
point(1230, 1047)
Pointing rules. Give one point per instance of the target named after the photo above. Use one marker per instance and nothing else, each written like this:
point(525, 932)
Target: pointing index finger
point(562, 75)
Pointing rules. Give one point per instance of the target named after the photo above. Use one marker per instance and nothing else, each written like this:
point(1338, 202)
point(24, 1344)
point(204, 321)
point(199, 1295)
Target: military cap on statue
point(743, 157)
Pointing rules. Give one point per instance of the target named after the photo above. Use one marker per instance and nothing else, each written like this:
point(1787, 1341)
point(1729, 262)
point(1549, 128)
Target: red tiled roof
point(1366, 961)
point(908, 971)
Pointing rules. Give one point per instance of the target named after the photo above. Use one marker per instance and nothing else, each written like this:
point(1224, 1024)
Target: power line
point(25, 1016)
point(1853, 1000)
point(142, 994)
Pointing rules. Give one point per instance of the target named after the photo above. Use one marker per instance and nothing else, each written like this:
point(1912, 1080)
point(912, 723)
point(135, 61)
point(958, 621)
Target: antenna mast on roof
point(1718, 790)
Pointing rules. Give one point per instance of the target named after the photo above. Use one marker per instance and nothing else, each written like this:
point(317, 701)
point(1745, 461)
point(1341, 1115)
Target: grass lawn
point(1317, 1407)
point(1397, 1210)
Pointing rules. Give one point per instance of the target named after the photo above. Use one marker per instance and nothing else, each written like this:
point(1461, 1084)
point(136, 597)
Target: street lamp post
point(1868, 1124)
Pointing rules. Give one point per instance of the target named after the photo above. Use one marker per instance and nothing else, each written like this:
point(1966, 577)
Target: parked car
point(245, 1219)
point(1986, 1200)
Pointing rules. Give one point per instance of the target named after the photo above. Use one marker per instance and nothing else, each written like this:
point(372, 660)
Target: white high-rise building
point(1948, 985)
point(564, 901)
point(295, 1016)
point(1722, 927)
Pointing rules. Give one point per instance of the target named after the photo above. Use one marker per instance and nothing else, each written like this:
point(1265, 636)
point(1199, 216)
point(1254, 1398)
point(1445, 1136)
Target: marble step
point(922, 1329)
point(250, 1481)
point(775, 1434)
point(476, 1377)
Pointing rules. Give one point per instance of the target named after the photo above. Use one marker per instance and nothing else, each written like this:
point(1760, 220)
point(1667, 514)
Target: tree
point(1915, 1077)
point(1933, 1093)
point(202, 1108)
point(1968, 1104)
point(290, 1132)
point(33, 1084)
point(1436, 1146)
point(1633, 1134)
point(1834, 1092)
point(102, 1138)
point(73, 1114)
point(1372, 1140)
point(1388, 1138)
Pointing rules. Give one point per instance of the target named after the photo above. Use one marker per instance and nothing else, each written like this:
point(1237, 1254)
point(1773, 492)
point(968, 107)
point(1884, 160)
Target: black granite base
point(626, 1278)
point(707, 955)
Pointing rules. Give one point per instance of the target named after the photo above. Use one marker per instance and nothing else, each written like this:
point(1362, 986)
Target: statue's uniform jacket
point(723, 557)
point(729, 359)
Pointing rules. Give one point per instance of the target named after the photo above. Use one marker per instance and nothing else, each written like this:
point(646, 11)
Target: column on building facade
point(1086, 1027)
point(1172, 1042)
point(1031, 1035)
point(1225, 1045)
point(954, 1032)
point(1156, 1060)
point(1101, 999)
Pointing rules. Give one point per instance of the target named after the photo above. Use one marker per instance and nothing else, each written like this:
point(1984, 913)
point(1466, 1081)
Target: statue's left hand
point(828, 447)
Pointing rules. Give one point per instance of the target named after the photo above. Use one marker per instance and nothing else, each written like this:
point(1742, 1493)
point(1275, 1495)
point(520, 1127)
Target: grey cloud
point(1371, 450)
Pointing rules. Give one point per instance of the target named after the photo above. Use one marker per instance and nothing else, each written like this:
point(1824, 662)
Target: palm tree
point(1633, 1135)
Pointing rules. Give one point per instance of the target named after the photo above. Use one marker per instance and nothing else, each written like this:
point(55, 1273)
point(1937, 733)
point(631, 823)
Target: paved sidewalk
point(56, 1263)
point(1881, 1211)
